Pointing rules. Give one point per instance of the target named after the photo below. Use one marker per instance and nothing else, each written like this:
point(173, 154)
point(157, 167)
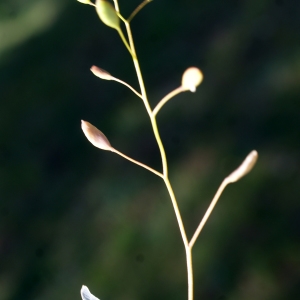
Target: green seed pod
point(107, 14)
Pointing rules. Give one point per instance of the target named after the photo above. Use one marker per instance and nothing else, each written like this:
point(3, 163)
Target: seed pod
point(191, 78)
point(100, 73)
point(244, 168)
point(107, 14)
point(95, 136)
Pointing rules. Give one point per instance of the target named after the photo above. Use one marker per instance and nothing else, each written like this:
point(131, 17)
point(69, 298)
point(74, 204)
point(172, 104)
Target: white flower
point(86, 294)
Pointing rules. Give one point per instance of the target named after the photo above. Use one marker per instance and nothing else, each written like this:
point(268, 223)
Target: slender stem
point(121, 17)
point(164, 100)
point(146, 102)
point(137, 10)
point(188, 249)
point(189, 263)
point(129, 86)
point(137, 68)
point(116, 5)
point(177, 212)
point(208, 211)
point(137, 162)
point(124, 41)
point(160, 146)
point(164, 162)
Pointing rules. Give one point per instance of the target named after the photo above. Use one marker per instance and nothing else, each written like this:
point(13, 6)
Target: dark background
point(71, 214)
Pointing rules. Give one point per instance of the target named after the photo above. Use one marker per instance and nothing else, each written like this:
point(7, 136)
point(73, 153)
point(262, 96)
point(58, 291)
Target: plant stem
point(137, 162)
point(165, 99)
point(137, 68)
point(163, 158)
point(116, 5)
point(189, 263)
point(137, 10)
point(124, 41)
point(177, 212)
point(145, 99)
point(208, 212)
point(234, 176)
point(127, 85)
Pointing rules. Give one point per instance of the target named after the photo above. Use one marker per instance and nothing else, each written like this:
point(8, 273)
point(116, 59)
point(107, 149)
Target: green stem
point(137, 68)
point(146, 102)
point(160, 145)
point(137, 10)
point(127, 85)
point(188, 249)
point(124, 41)
point(164, 161)
point(137, 162)
point(189, 263)
point(208, 212)
point(116, 5)
point(177, 212)
point(164, 100)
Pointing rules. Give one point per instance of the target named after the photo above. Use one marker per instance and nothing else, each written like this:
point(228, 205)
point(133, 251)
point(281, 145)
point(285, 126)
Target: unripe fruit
point(95, 136)
point(191, 78)
point(107, 14)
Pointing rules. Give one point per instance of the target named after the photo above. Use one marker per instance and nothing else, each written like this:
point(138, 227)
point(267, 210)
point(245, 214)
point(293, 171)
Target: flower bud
point(191, 78)
point(107, 14)
point(95, 136)
point(86, 294)
point(101, 73)
point(244, 168)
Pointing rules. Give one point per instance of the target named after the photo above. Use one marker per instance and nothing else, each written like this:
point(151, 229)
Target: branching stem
point(124, 41)
point(127, 85)
point(137, 162)
point(191, 78)
point(164, 100)
point(208, 212)
point(164, 160)
point(142, 5)
point(152, 114)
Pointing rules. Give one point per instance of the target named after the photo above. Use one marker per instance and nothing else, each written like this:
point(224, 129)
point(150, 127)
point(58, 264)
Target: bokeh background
point(71, 214)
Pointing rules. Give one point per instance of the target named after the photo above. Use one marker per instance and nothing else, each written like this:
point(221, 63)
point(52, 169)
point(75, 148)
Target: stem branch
point(164, 100)
point(137, 162)
point(129, 86)
point(133, 14)
point(208, 211)
point(152, 115)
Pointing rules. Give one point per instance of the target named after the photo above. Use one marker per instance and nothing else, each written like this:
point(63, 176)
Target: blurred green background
point(71, 214)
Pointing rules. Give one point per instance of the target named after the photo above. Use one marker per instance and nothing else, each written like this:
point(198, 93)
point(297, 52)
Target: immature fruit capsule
point(95, 136)
point(245, 167)
point(100, 73)
point(191, 78)
point(107, 14)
